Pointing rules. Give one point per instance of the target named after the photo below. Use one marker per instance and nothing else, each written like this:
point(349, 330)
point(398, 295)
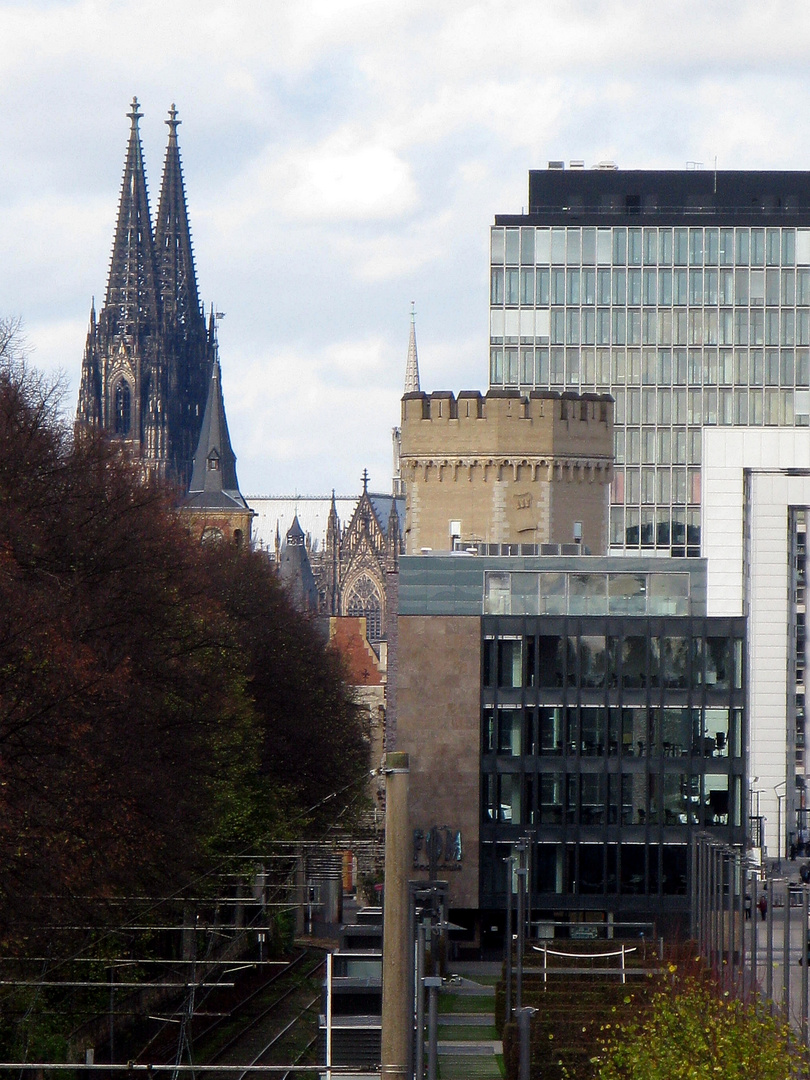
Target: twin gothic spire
point(148, 358)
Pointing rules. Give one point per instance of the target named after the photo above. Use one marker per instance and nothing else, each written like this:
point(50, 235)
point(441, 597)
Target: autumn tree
point(116, 676)
point(159, 701)
point(314, 738)
point(692, 1032)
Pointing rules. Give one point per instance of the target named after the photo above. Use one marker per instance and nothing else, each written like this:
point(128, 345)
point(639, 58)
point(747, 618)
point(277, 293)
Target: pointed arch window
point(363, 600)
point(122, 408)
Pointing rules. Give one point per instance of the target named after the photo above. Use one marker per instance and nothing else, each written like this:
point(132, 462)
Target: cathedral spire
point(175, 257)
point(188, 350)
point(132, 302)
point(412, 366)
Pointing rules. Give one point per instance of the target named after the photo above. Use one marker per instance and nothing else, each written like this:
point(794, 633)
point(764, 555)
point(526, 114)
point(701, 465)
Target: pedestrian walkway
point(468, 1044)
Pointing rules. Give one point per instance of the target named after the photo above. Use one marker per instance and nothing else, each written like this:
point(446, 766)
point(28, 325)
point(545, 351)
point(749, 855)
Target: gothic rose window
point(364, 600)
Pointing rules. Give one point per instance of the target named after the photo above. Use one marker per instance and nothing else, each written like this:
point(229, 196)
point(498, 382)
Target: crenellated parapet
point(506, 468)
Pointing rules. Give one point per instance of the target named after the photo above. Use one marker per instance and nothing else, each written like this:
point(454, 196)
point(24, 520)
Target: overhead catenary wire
point(179, 895)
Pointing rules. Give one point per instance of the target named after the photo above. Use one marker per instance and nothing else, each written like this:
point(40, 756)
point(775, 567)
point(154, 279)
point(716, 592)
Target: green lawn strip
point(470, 1068)
point(466, 1003)
point(467, 1033)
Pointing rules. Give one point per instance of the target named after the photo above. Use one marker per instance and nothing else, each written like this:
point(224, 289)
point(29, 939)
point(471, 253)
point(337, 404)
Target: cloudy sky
point(345, 157)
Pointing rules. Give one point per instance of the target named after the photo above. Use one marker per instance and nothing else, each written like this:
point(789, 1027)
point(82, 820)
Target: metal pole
point(713, 909)
point(805, 959)
point(786, 953)
point(328, 1016)
point(753, 881)
point(420, 1001)
point(729, 920)
point(697, 931)
point(733, 904)
point(413, 982)
point(709, 900)
point(524, 1017)
point(693, 889)
point(112, 1014)
point(736, 921)
point(769, 946)
point(397, 989)
point(520, 933)
point(432, 983)
point(508, 996)
point(718, 920)
point(741, 879)
point(529, 867)
point(709, 934)
point(702, 900)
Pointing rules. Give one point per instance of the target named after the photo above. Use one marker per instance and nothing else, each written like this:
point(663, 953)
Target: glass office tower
point(685, 295)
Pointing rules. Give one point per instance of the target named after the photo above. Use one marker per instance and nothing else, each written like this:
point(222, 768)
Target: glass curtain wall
point(683, 326)
point(610, 741)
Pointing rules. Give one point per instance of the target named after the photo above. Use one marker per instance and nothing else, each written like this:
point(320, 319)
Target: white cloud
point(347, 177)
point(344, 157)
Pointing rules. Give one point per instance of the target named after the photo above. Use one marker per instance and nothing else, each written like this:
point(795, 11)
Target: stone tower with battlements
point(506, 470)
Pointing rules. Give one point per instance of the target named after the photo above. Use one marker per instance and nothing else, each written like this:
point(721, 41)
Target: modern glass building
point(612, 728)
point(587, 705)
point(685, 295)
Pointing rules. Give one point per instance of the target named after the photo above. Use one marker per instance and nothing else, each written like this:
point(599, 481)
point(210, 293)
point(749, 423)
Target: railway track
point(258, 1018)
point(269, 1032)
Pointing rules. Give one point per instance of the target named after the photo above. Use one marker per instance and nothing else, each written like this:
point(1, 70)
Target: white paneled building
point(756, 489)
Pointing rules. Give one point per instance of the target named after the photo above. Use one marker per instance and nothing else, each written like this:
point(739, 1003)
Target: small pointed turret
point(131, 305)
point(392, 536)
point(295, 569)
point(88, 413)
point(295, 534)
point(214, 499)
point(333, 521)
point(213, 477)
point(332, 559)
point(412, 366)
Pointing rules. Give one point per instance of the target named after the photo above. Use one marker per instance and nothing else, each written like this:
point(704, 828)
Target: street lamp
point(779, 796)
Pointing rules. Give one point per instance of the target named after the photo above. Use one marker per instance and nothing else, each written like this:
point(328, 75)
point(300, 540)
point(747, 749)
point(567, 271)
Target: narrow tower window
point(123, 409)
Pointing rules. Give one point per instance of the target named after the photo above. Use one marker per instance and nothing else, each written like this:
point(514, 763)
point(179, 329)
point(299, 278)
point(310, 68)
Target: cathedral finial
point(134, 113)
point(173, 123)
point(365, 481)
point(412, 365)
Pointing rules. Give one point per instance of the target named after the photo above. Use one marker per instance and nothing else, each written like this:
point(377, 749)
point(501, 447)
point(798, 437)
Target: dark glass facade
point(609, 741)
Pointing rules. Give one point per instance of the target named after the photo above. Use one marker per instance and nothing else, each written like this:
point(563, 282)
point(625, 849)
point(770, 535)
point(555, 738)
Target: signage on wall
point(438, 848)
